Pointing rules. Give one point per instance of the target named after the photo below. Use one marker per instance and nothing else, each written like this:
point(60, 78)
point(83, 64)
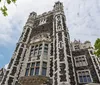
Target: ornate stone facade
point(43, 54)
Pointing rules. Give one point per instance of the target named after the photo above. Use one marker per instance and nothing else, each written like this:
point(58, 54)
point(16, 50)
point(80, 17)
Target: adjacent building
point(45, 56)
point(86, 64)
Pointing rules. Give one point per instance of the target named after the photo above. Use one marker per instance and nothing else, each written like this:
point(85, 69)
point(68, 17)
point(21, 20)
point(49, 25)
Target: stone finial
point(58, 6)
point(33, 15)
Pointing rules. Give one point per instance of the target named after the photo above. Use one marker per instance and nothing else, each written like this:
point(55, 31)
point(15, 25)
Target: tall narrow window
point(80, 79)
point(37, 64)
point(88, 78)
point(37, 68)
point(27, 71)
point(36, 50)
point(46, 50)
point(40, 49)
point(28, 65)
point(44, 68)
point(33, 64)
point(44, 71)
point(32, 71)
point(32, 51)
point(84, 78)
point(44, 64)
point(37, 71)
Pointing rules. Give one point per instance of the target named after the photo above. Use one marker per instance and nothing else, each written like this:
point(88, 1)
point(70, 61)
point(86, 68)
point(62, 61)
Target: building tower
point(44, 55)
point(43, 50)
point(62, 57)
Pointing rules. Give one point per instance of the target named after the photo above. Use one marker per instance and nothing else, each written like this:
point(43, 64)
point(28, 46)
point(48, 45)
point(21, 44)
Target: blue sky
point(83, 22)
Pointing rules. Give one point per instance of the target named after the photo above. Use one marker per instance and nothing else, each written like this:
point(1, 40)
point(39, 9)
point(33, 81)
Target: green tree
point(97, 47)
point(4, 9)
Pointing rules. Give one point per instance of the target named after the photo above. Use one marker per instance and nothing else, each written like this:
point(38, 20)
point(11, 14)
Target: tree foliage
point(97, 47)
point(4, 9)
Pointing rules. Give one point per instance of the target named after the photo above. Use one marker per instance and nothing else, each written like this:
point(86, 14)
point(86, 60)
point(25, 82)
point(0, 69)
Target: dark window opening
point(37, 71)
point(44, 71)
point(27, 71)
point(32, 71)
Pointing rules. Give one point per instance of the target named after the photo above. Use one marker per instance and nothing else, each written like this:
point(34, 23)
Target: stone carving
point(35, 80)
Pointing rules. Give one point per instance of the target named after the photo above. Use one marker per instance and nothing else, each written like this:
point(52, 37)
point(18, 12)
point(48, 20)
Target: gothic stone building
point(44, 55)
point(86, 64)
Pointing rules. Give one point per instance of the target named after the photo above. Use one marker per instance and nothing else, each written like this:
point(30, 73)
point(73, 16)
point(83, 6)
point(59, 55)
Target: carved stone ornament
point(34, 80)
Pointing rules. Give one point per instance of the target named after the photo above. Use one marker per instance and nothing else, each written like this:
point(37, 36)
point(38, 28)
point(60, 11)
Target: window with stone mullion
point(37, 68)
point(36, 50)
point(46, 49)
point(32, 51)
point(44, 68)
point(84, 77)
point(32, 69)
point(27, 69)
point(81, 61)
point(40, 49)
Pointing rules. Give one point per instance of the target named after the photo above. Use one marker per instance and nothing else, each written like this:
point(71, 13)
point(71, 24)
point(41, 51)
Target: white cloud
point(6, 66)
point(82, 18)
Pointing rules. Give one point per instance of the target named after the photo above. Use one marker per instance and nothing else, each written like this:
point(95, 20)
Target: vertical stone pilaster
point(62, 54)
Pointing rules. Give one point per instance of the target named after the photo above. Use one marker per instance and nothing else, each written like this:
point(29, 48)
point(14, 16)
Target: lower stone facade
point(86, 68)
point(34, 80)
point(44, 49)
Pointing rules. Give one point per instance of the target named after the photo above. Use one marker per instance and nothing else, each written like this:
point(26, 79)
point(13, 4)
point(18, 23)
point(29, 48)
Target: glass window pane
point(88, 78)
point(45, 52)
point(32, 71)
point(44, 64)
point(80, 78)
point(46, 45)
point(45, 49)
point(44, 71)
point(40, 46)
point(31, 53)
point(37, 64)
point(27, 70)
point(39, 53)
point(84, 79)
point(35, 52)
point(37, 71)
point(28, 65)
point(32, 48)
point(36, 46)
point(33, 64)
